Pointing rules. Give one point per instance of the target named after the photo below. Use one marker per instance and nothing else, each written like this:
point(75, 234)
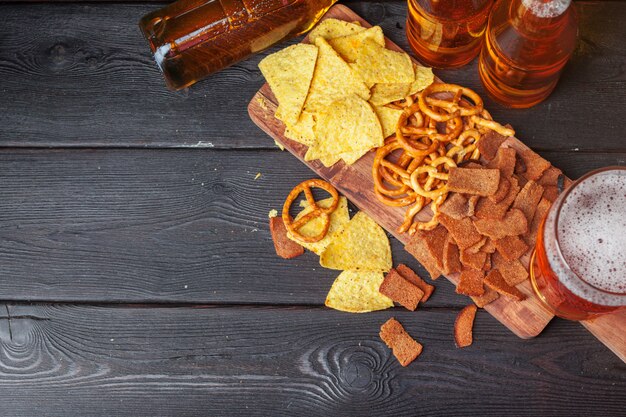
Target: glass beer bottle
point(578, 268)
point(527, 44)
point(191, 39)
point(446, 33)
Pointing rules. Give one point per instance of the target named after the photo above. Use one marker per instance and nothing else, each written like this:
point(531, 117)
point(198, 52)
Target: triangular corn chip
point(388, 119)
point(386, 93)
point(376, 64)
point(289, 73)
point(423, 78)
point(332, 80)
point(334, 28)
point(361, 245)
point(357, 292)
point(348, 46)
point(338, 218)
point(302, 131)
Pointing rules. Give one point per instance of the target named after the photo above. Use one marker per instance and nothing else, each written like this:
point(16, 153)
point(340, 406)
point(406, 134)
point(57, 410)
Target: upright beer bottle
point(191, 39)
point(527, 44)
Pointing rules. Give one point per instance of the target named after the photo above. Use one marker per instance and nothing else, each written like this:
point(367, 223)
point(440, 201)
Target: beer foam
point(547, 8)
point(591, 234)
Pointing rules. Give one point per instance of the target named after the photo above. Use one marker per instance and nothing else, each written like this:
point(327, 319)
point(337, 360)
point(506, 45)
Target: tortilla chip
point(348, 46)
point(451, 257)
point(512, 271)
point(357, 292)
point(289, 73)
point(334, 28)
point(463, 326)
point(470, 282)
point(527, 199)
point(417, 248)
point(423, 78)
point(332, 80)
point(385, 93)
point(473, 260)
point(455, 206)
point(408, 274)
point(349, 126)
point(488, 297)
point(377, 64)
point(483, 182)
point(360, 245)
point(489, 144)
point(284, 247)
point(504, 161)
point(503, 190)
point(463, 231)
point(388, 119)
point(487, 209)
point(511, 247)
point(514, 223)
point(403, 346)
point(495, 281)
point(401, 291)
point(535, 165)
point(303, 130)
point(338, 218)
point(541, 212)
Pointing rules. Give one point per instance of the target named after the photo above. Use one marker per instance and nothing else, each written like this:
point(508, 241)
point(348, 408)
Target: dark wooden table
point(136, 268)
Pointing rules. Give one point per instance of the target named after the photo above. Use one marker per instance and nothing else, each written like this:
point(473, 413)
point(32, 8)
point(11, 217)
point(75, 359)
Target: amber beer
point(191, 39)
point(446, 33)
point(579, 265)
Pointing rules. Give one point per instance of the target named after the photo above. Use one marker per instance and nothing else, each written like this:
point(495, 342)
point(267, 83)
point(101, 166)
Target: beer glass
point(578, 268)
point(446, 33)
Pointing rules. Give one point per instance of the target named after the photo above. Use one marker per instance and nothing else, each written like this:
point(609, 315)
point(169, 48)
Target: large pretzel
point(316, 211)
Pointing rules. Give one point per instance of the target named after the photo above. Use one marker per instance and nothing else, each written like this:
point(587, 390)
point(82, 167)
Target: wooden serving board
point(526, 318)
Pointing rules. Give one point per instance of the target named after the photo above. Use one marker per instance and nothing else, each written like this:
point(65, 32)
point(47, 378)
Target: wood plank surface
point(140, 225)
point(83, 76)
point(94, 361)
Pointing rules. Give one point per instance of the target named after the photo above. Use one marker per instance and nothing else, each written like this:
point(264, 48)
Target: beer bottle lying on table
point(191, 39)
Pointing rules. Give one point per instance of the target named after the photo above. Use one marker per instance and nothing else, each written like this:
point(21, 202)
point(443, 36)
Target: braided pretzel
point(316, 211)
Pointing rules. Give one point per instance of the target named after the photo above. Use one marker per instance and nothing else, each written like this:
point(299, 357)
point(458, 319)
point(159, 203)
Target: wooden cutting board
point(526, 318)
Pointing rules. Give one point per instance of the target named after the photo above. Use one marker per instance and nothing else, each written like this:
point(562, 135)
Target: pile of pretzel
point(435, 133)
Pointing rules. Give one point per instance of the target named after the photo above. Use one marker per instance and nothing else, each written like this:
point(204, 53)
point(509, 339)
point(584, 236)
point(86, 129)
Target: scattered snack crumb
point(272, 213)
point(463, 326)
point(403, 346)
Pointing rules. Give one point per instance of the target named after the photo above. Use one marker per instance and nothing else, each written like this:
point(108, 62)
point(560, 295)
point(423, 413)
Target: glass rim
point(559, 205)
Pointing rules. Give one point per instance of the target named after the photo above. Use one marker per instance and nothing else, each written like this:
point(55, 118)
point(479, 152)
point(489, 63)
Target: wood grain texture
point(83, 76)
point(525, 318)
point(140, 225)
point(93, 361)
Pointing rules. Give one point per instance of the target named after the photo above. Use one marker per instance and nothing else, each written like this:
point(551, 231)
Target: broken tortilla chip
point(357, 292)
point(303, 130)
point(334, 28)
point(348, 46)
point(463, 326)
point(360, 245)
point(289, 73)
point(388, 119)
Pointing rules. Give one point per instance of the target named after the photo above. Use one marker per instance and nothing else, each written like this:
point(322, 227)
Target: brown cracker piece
point(410, 275)
point(455, 206)
point(487, 209)
point(550, 176)
point(471, 282)
point(417, 247)
point(490, 246)
point(403, 346)
point(489, 144)
point(512, 271)
point(488, 297)
point(487, 265)
point(285, 247)
point(434, 240)
point(472, 201)
point(463, 231)
point(540, 214)
point(473, 260)
point(504, 161)
point(511, 247)
point(514, 223)
point(463, 326)
point(528, 198)
point(400, 290)
point(451, 260)
point(535, 165)
point(496, 281)
point(550, 192)
point(503, 190)
point(477, 246)
point(483, 182)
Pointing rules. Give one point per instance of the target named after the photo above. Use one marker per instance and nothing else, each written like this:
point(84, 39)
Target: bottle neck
point(539, 18)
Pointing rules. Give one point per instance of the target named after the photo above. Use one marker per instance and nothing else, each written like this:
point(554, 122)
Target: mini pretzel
point(316, 211)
